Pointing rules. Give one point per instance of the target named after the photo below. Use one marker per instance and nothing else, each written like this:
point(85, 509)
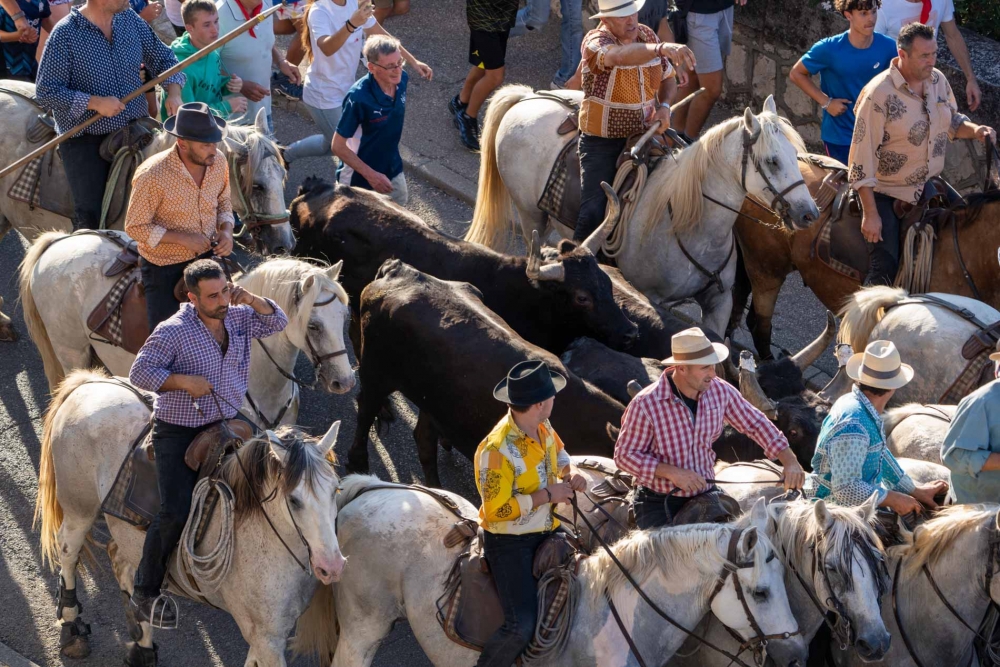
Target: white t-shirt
point(248, 57)
point(173, 10)
point(894, 14)
point(330, 77)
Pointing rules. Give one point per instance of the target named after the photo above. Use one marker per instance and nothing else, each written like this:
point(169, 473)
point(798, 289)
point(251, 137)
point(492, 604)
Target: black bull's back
point(436, 343)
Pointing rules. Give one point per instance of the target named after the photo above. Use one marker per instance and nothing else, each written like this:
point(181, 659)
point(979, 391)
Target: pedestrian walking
point(535, 15)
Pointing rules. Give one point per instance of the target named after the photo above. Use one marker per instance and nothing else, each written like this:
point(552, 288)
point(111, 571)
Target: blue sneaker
point(468, 129)
point(284, 86)
point(456, 107)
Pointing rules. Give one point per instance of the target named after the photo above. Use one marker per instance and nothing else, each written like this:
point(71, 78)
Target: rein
point(749, 140)
point(252, 220)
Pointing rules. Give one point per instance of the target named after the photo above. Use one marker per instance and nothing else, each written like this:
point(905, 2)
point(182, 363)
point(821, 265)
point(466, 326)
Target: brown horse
point(768, 253)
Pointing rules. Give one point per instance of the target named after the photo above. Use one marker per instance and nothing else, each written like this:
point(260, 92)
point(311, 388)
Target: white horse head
point(298, 472)
point(317, 310)
point(762, 578)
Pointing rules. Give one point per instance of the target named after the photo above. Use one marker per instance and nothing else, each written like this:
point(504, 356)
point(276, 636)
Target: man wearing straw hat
point(669, 427)
point(971, 450)
point(518, 466)
point(852, 461)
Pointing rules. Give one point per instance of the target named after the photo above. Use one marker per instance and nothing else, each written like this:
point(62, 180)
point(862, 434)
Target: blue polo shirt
point(844, 70)
point(380, 118)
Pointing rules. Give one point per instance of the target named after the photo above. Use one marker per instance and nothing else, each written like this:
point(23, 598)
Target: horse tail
point(491, 225)
point(47, 507)
point(317, 630)
point(863, 310)
point(36, 327)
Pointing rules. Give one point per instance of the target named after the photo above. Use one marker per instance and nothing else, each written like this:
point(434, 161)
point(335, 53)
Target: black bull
point(436, 343)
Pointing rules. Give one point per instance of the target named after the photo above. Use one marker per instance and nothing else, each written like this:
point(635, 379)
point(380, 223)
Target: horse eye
point(295, 503)
point(257, 187)
point(313, 326)
point(760, 595)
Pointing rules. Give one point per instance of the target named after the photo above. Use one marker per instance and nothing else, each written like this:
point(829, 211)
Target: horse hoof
point(138, 656)
point(73, 640)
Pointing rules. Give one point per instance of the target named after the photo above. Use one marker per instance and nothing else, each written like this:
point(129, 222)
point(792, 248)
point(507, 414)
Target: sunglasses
point(392, 68)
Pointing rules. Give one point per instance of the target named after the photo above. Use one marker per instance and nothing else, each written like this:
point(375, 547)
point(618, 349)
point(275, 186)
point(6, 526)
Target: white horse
point(677, 568)
point(840, 564)
point(929, 336)
point(89, 427)
point(260, 179)
point(916, 431)
point(958, 548)
point(62, 281)
point(687, 209)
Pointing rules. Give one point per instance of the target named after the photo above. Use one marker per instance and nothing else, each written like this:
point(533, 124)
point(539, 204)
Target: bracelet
point(829, 101)
point(17, 17)
point(548, 493)
point(350, 26)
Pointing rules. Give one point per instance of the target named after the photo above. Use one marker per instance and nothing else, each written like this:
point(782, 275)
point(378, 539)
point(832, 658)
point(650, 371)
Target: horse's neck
point(269, 389)
point(722, 184)
point(162, 141)
point(802, 605)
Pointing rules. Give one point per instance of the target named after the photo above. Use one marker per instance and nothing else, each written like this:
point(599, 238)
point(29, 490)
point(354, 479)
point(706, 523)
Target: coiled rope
point(629, 199)
point(917, 262)
point(210, 569)
point(551, 638)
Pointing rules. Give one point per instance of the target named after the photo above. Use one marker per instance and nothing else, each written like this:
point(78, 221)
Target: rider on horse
point(516, 470)
point(203, 349)
point(180, 207)
point(669, 427)
point(852, 460)
point(628, 83)
point(905, 117)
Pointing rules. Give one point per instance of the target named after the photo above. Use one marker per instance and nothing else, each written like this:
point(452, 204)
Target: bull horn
point(732, 375)
point(808, 355)
point(841, 383)
point(750, 387)
point(633, 388)
point(535, 270)
point(596, 240)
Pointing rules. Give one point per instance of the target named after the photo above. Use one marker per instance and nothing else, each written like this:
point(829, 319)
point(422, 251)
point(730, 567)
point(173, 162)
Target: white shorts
point(710, 37)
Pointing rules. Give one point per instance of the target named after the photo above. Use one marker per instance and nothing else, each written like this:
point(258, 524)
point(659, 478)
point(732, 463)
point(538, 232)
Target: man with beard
point(92, 60)
point(180, 208)
point(203, 349)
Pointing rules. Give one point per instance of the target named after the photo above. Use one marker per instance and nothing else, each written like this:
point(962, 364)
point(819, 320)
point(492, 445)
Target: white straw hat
point(614, 8)
point(691, 347)
point(879, 366)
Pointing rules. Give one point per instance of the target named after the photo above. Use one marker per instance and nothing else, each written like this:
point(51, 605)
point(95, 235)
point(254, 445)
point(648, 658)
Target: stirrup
point(161, 606)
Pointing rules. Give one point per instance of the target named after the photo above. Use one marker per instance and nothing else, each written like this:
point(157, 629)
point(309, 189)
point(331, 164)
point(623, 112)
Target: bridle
point(757, 645)
point(239, 162)
point(778, 203)
point(994, 554)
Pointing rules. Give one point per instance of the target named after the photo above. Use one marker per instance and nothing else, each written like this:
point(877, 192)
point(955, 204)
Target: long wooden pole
point(149, 85)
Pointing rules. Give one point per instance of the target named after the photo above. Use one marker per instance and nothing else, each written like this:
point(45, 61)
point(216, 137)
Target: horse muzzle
point(328, 570)
point(873, 647)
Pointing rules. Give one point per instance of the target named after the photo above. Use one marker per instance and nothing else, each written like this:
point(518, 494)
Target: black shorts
point(488, 50)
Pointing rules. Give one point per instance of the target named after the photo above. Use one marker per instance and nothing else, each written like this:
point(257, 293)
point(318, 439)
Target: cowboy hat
point(527, 383)
point(691, 347)
point(612, 8)
point(194, 121)
point(879, 366)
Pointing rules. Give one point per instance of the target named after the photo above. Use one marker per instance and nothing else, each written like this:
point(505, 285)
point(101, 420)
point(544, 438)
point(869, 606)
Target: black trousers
point(87, 173)
point(650, 508)
point(883, 257)
point(598, 156)
point(511, 558)
point(158, 283)
point(176, 483)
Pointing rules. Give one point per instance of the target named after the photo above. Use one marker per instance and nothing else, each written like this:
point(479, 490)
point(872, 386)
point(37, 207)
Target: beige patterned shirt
point(618, 101)
point(166, 198)
point(900, 138)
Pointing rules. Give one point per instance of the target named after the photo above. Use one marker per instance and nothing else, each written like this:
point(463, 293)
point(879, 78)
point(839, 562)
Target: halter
point(252, 220)
point(778, 202)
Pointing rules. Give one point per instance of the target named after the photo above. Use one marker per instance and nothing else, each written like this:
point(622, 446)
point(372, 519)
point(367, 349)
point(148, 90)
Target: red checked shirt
point(658, 428)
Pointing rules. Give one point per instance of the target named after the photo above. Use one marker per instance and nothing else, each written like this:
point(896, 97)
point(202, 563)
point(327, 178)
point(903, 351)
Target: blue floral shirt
point(852, 461)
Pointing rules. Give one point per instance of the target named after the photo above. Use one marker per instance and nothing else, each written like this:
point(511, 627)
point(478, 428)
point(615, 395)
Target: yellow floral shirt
point(510, 466)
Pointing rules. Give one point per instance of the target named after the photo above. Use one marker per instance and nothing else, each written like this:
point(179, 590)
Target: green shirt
point(974, 435)
point(206, 80)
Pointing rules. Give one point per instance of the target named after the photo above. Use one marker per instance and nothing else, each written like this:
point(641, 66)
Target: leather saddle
point(470, 611)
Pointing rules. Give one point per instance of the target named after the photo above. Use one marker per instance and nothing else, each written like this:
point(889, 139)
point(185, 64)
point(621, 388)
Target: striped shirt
point(79, 61)
point(182, 344)
point(658, 428)
point(166, 198)
point(510, 466)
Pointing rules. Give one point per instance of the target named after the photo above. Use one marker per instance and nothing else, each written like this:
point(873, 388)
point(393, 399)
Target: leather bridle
point(251, 220)
point(778, 203)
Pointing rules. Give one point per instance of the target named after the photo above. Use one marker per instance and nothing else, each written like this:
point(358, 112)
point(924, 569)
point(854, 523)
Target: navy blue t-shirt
point(844, 70)
point(380, 118)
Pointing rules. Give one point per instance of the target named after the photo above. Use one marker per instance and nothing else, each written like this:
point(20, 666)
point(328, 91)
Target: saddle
point(470, 611)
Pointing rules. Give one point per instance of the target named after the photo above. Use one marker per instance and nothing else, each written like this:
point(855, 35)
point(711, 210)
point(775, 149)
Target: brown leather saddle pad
point(470, 611)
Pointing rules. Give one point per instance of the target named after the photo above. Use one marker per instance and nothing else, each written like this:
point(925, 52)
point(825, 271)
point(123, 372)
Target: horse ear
point(260, 123)
point(758, 514)
point(329, 439)
point(750, 121)
point(770, 106)
point(334, 271)
point(307, 285)
point(748, 541)
point(823, 516)
point(868, 507)
point(275, 445)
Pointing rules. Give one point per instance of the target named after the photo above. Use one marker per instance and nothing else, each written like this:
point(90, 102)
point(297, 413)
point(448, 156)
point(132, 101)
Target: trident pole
point(149, 85)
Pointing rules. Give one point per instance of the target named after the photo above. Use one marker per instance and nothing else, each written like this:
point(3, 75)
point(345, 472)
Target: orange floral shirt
point(166, 198)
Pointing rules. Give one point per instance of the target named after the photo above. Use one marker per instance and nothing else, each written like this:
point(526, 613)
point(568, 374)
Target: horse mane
point(668, 549)
point(678, 183)
point(933, 539)
point(278, 278)
point(266, 474)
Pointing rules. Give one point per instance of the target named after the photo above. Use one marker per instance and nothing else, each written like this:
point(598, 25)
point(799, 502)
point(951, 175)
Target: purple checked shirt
point(183, 345)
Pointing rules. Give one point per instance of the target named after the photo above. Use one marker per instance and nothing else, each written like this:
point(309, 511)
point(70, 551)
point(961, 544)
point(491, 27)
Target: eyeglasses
point(392, 68)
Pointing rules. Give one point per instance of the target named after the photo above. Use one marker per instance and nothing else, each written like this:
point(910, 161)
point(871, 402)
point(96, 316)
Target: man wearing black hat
point(517, 470)
point(180, 208)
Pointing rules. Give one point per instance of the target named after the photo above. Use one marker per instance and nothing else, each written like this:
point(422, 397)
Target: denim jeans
point(87, 173)
point(650, 508)
point(883, 257)
point(511, 558)
point(316, 145)
point(158, 283)
point(176, 483)
point(598, 156)
point(536, 14)
point(838, 151)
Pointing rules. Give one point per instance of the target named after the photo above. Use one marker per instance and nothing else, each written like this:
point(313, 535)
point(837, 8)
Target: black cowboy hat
point(194, 121)
point(529, 382)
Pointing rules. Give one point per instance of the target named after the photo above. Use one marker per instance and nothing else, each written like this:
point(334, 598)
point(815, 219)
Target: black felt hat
point(529, 382)
point(194, 121)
